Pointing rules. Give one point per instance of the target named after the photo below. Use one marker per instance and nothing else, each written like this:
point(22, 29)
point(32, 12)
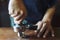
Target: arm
point(17, 10)
point(47, 17)
point(49, 14)
point(46, 23)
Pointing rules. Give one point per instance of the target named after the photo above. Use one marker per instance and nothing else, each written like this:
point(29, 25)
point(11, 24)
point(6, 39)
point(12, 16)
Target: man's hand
point(45, 24)
point(17, 10)
point(44, 28)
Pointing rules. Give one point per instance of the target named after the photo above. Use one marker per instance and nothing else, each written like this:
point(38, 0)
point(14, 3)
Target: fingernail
point(35, 31)
point(44, 36)
point(18, 34)
point(38, 36)
point(53, 35)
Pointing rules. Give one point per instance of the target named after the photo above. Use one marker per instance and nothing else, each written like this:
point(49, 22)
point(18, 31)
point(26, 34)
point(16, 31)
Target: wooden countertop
point(6, 33)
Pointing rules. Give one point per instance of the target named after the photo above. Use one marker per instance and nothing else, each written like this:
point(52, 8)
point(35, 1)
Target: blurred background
point(5, 21)
point(4, 17)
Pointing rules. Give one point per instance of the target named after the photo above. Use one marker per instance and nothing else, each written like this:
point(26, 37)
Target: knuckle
point(46, 21)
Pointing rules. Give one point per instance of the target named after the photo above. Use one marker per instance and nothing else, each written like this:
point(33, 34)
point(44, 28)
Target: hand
point(44, 27)
point(18, 16)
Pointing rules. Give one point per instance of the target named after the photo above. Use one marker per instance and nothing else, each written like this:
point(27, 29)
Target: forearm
point(49, 14)
point(17, 10)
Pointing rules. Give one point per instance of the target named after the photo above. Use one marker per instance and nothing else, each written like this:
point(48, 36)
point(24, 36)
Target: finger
point(43, 27)
point(41, 30)
point(17, 13)
point(40, 24)
point(11, 11)
point(38, 30)
point(17, 22)
point(45, 34)
point(22, 16)
point(18, 34)
point(17, 17)
point(52, 31)
point(12, 15)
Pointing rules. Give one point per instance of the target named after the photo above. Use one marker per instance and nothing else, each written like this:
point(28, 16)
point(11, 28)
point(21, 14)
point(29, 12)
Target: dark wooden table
point(6, 33)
